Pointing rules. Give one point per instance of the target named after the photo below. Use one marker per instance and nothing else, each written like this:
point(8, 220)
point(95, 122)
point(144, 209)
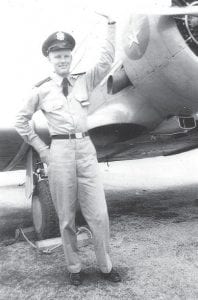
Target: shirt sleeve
point(95, 75)
point(23, 123)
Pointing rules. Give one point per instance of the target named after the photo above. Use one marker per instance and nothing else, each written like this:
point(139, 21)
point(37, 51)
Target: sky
point(25, 24)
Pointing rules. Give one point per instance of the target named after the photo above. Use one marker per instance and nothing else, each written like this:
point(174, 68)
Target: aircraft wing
point(147, 145)
point(12, 149)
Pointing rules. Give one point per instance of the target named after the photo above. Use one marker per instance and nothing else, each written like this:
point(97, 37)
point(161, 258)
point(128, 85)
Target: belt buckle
point(79, 135)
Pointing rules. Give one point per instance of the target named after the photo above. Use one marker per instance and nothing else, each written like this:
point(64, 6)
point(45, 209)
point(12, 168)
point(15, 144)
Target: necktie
point(65, 86)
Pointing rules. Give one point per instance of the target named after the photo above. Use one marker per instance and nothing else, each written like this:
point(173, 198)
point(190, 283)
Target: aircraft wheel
point(45, 219)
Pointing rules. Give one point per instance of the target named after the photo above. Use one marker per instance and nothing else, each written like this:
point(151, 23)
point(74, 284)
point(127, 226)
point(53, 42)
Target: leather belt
point(77, 135)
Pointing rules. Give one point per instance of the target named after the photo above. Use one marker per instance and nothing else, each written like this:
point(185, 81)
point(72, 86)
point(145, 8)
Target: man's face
point(61, 61)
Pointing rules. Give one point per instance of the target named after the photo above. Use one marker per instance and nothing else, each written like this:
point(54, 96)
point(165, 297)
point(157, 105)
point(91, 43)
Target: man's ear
point(49, 57)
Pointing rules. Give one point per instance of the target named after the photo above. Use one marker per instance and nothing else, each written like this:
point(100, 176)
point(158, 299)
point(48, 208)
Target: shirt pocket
point(81, 95)
point(50, 106)
point(80, 99)
point(84, 101)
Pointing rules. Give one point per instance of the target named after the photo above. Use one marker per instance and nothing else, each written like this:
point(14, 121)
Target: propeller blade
point(169, 11)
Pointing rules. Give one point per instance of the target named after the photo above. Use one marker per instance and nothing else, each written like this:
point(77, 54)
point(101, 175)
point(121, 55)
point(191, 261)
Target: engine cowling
point(188, 26)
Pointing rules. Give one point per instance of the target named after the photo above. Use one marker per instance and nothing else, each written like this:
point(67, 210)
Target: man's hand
point(44, 155)
point(109, 18)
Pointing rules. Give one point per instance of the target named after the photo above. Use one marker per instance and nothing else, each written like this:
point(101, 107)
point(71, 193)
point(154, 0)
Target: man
point(72, 163)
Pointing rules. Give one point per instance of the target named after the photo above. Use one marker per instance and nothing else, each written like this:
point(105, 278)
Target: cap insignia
point(60, 36)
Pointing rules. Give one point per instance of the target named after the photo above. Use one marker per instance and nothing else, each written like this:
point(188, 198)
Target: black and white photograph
point(99, 150)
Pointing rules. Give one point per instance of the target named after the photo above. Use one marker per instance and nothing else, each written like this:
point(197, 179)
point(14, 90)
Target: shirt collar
point(58, 79)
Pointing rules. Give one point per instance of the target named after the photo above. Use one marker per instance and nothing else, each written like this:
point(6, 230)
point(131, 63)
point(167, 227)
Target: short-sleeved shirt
point(65, 114)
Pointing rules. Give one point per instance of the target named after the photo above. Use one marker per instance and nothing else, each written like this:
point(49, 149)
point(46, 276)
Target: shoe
point(112, 276)
point(75, 278)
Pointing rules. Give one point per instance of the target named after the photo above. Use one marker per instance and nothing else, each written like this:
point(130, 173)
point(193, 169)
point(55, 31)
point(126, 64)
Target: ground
point(154, 241)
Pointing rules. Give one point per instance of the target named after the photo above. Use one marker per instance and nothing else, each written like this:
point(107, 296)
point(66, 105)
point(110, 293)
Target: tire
point(44, 216)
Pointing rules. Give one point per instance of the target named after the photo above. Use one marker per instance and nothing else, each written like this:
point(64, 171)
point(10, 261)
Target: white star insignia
point(133, 39)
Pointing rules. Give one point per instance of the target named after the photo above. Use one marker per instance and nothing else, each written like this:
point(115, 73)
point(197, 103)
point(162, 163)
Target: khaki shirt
point(65, 114)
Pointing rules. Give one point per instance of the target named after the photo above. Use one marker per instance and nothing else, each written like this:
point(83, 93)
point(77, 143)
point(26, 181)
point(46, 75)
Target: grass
point(154, 248)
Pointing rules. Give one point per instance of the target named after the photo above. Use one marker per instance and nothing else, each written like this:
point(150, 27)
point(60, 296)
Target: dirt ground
point(154, 240)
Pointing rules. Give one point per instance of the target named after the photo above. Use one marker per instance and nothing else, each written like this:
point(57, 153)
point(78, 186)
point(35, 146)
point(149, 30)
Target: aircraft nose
point(136, 36)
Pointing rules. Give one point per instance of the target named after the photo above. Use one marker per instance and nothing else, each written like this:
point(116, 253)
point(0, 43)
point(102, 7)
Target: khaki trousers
point(74, 175)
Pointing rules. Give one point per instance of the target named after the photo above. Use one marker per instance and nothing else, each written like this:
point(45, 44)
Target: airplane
point(146, 106)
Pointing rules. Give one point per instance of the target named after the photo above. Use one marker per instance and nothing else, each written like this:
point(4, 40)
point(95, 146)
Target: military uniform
point(73, 168)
